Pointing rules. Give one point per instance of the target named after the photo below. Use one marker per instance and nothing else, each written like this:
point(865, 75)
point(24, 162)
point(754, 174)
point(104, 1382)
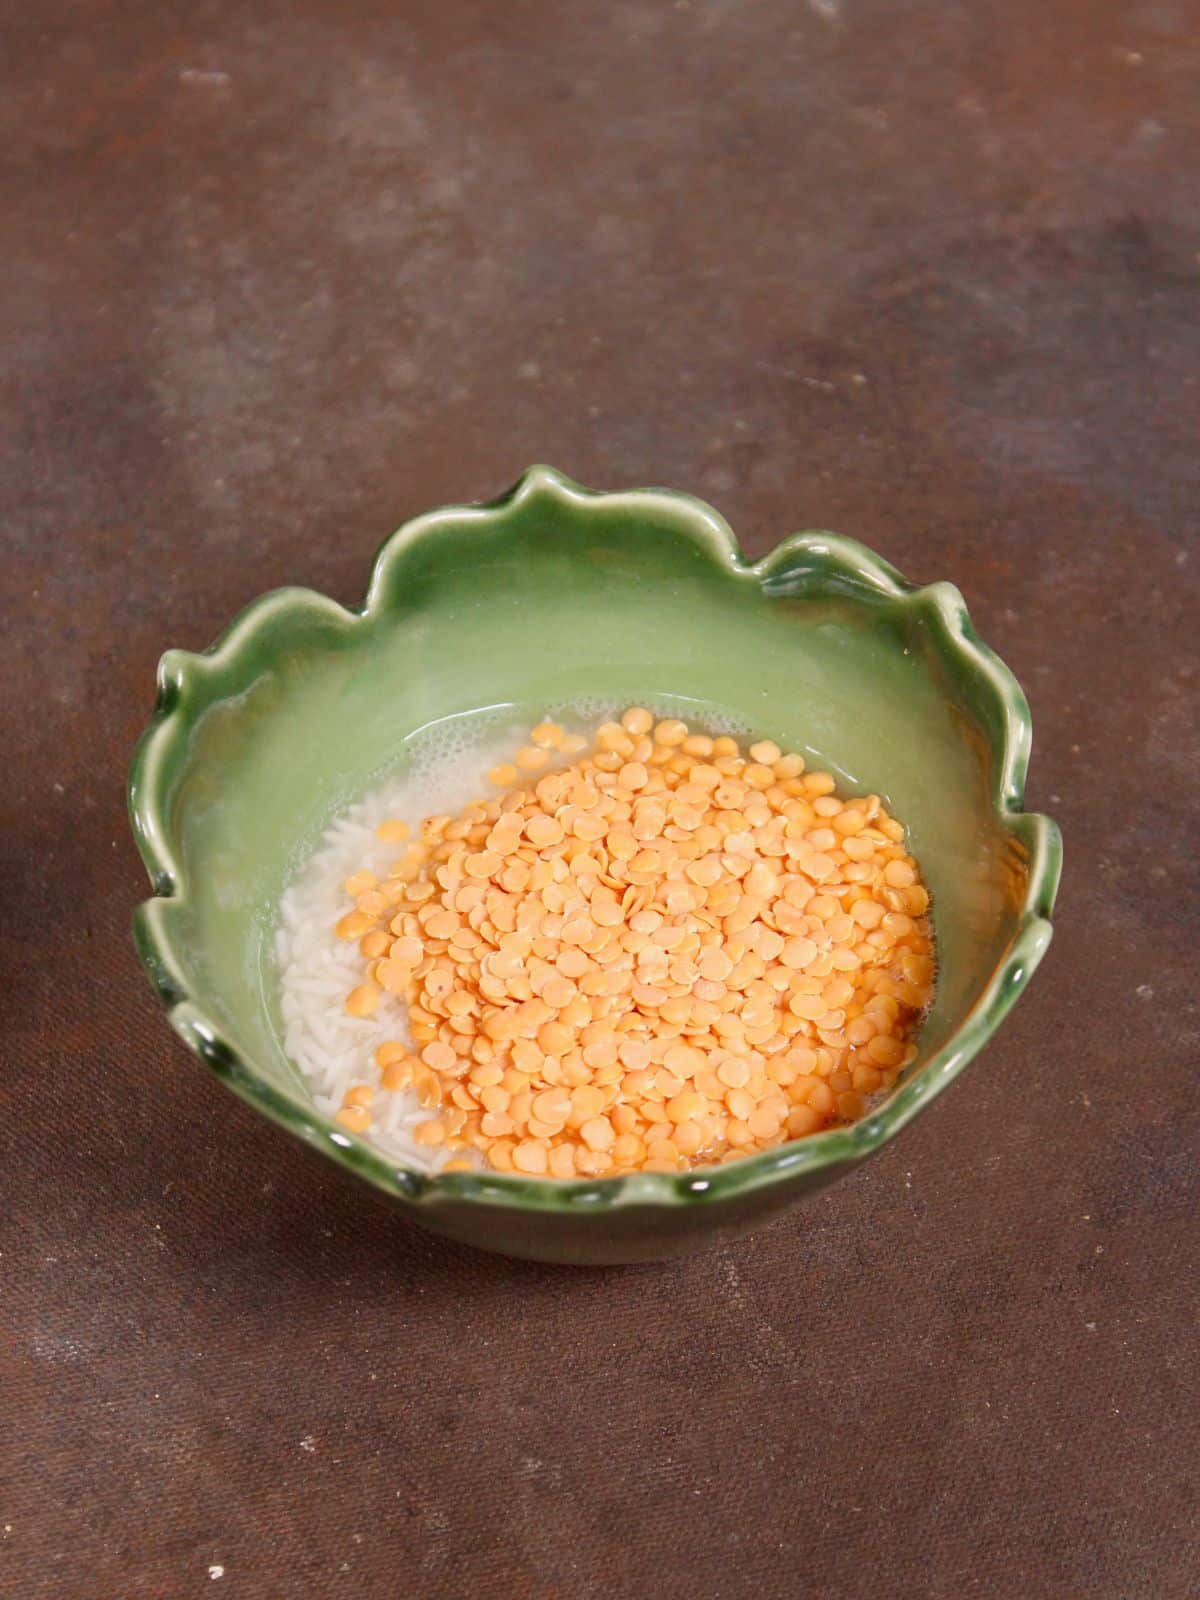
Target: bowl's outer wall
point(624, 1235)
point(541, 601)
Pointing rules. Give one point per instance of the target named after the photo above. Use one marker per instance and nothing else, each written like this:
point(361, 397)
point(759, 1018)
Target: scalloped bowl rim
point(835, 1147)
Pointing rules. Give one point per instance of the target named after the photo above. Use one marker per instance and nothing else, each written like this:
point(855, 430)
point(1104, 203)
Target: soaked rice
point(332, 1049)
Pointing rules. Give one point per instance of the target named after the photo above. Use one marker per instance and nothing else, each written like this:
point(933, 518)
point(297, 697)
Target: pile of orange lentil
point(650, 954)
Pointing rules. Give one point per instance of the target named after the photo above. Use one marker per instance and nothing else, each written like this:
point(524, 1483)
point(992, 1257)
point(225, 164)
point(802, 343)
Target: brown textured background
point(276, 276)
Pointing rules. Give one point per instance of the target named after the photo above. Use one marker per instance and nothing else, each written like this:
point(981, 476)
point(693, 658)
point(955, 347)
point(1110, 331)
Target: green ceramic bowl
point(552, 594)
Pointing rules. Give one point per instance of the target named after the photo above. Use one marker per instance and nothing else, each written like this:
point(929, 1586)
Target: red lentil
point(664, 954)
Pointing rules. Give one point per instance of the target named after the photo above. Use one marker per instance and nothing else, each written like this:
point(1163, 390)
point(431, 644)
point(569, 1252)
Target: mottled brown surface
point(278, 275)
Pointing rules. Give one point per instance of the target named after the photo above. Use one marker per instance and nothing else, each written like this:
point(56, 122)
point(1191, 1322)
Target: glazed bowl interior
point(501, 614)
